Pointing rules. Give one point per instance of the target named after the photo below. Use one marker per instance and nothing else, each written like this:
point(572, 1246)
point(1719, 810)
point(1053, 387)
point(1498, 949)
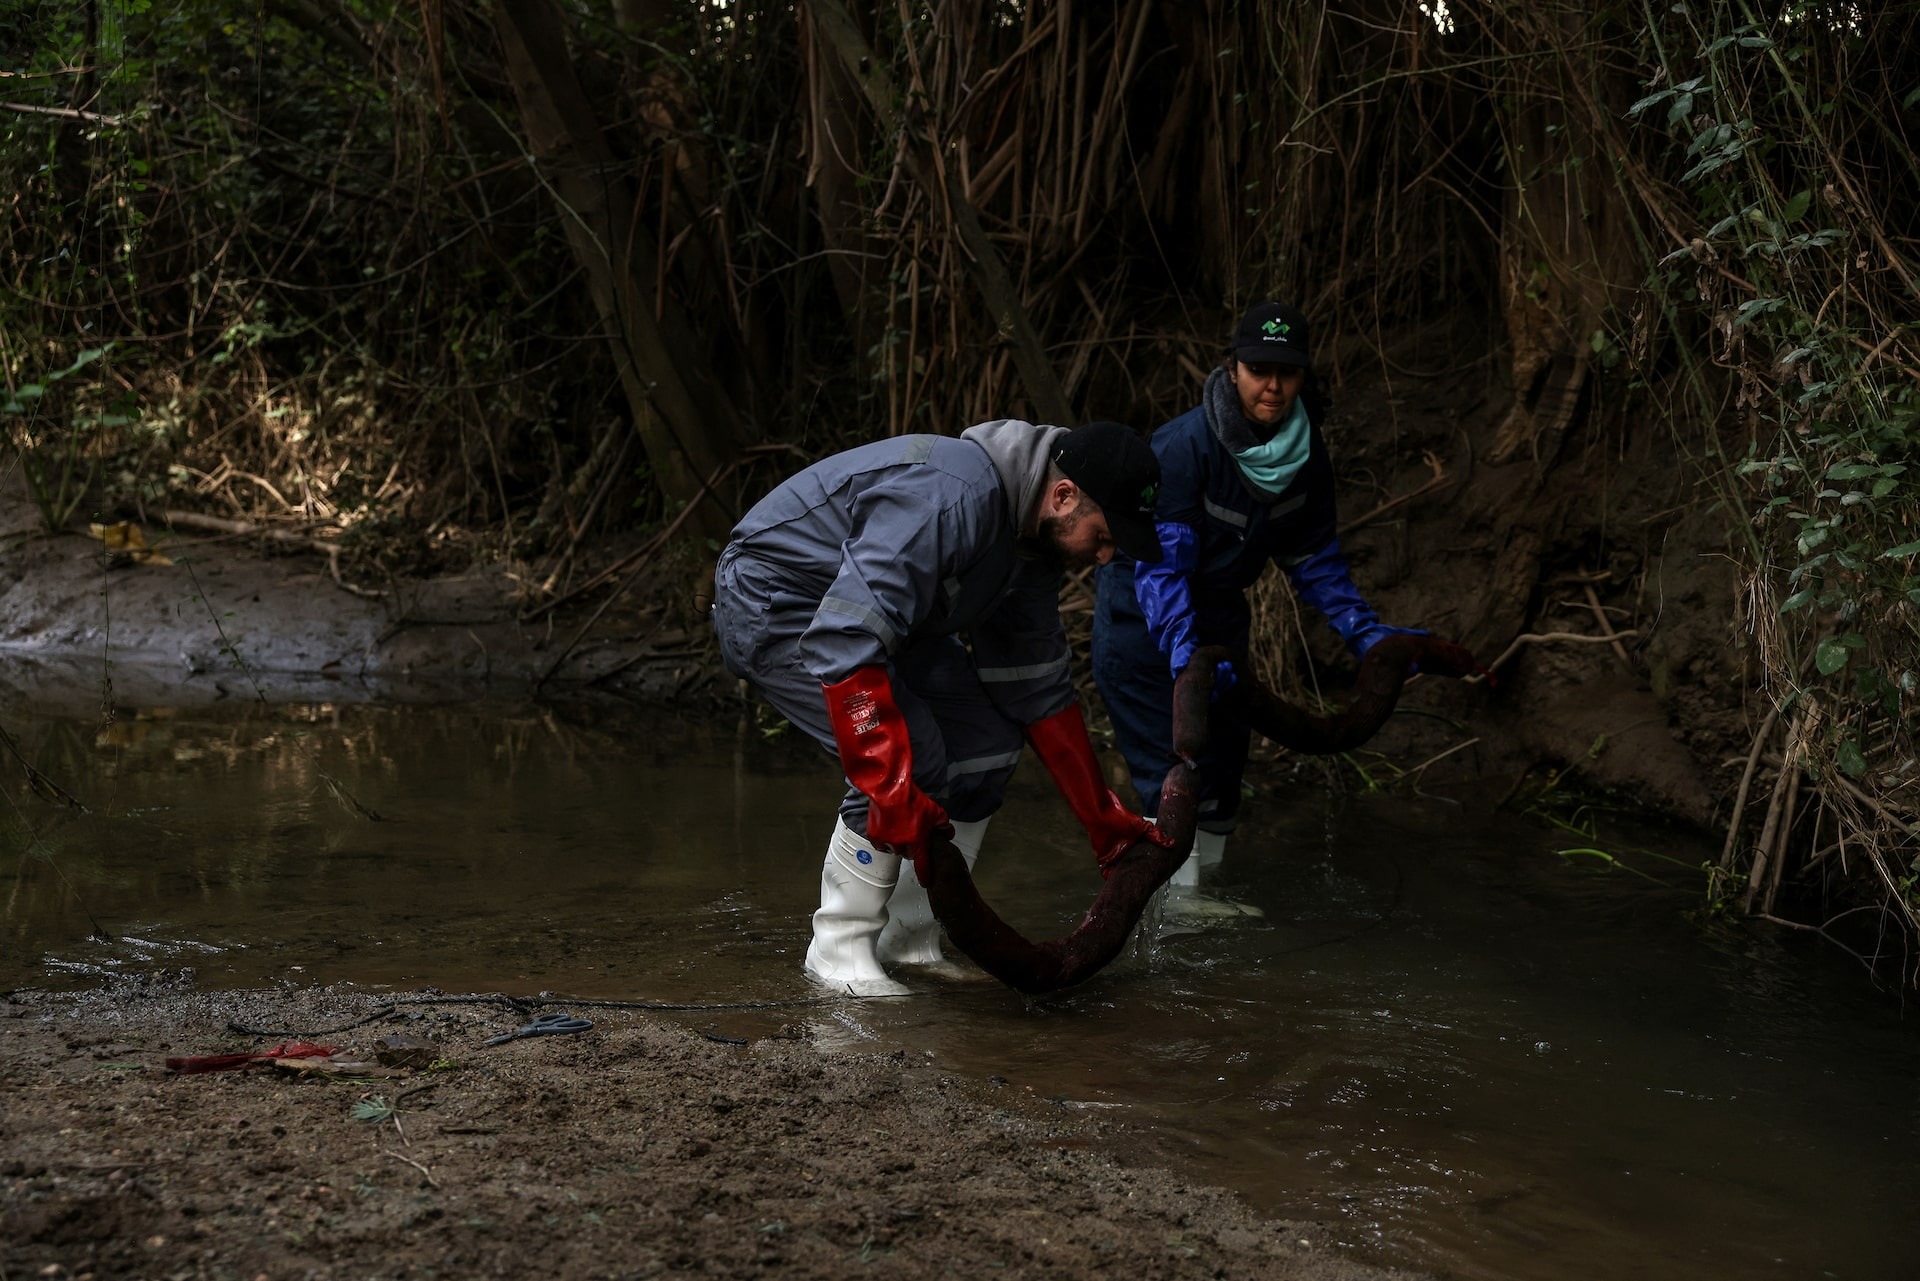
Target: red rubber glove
point(878, 759)
point(1061, 740)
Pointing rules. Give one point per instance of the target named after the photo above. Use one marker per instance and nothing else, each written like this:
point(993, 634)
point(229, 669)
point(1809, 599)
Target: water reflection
point(1466, 1053)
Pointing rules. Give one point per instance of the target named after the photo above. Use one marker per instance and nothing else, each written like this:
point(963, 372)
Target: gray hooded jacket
point(910, 538)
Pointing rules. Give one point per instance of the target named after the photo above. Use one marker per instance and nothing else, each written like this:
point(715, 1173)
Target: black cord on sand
point(528, 1004)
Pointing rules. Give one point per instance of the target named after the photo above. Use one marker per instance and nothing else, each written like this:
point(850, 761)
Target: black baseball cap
point(1271, 333)
point(1116, 468)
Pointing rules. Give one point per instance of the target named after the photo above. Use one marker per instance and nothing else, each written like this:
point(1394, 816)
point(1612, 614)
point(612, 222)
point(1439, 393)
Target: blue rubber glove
point(1223, 678)
point(1166, 596)
point(1166, 600)
point(1323, 581)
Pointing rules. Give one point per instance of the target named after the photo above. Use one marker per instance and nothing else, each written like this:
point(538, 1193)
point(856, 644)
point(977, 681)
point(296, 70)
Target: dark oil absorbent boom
point(1048, 966)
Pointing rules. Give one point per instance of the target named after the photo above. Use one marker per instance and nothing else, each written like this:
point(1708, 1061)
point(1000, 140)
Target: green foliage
point(1798, 202)
point(323, 298)
point(54, 439)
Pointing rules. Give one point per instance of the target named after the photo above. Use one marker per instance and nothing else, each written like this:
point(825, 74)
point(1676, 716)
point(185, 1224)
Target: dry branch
point(249, 529)
point(1550, 638)
point(1439, 480)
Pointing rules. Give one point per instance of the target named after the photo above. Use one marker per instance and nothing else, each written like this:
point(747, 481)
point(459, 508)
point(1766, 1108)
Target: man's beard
point(1044, 545)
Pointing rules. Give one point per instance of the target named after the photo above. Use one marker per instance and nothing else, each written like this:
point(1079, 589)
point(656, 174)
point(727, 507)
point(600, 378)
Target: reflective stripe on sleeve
point(1226, 514)
point(874, 623)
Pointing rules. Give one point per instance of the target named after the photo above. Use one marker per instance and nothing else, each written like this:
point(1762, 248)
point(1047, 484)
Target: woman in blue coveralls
point(1245, 480)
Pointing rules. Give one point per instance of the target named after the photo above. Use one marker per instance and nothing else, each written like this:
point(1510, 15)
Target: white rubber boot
point(1209, 848)
point(855, 881)
point(1184, 899)
point(912, 936)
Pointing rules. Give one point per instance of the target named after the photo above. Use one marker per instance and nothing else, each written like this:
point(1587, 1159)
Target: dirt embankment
point(213, 618)
point(1578, 557)
point(639, 1148)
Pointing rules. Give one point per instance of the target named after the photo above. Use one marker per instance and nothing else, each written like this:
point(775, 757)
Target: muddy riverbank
point(639, 1148)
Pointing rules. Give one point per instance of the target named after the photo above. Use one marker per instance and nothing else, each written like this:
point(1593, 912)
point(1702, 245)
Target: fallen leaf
point(126, 543)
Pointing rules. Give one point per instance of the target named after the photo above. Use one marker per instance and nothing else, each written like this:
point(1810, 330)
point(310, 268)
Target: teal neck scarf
point(1271, 467)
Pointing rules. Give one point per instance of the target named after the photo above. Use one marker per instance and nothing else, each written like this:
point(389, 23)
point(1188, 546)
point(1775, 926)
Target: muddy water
point(1467, 1052)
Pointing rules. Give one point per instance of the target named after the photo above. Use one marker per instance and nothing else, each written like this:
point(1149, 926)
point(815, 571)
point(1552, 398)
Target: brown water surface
point(1468, 1052)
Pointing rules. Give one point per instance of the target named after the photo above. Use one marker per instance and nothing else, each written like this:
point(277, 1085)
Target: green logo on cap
point(1276, 329)
point(1147, 496)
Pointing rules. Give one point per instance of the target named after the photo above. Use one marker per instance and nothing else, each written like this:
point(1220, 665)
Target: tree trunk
point(1567, 250)
point(687, 442)
point(836, 148)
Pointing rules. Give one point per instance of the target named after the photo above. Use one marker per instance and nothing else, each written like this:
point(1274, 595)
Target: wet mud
point(639, 1148)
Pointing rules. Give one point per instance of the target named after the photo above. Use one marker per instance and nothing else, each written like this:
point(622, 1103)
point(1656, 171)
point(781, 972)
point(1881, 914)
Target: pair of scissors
point(555, 1024)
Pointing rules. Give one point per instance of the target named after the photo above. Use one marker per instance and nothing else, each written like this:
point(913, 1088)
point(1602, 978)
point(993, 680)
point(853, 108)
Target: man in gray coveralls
point(842, 595)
